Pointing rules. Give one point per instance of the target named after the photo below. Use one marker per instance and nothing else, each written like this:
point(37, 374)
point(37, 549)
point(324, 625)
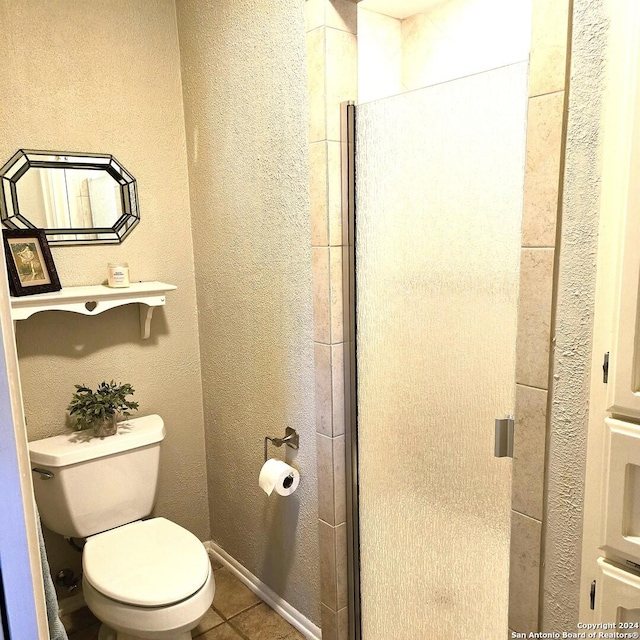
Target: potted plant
point(100, 409)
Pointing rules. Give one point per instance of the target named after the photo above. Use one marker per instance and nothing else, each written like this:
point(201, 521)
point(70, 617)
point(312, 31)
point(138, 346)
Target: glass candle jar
point(118, 274)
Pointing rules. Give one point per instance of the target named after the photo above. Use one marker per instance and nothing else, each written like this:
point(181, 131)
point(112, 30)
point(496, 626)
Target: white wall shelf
point(95, 299)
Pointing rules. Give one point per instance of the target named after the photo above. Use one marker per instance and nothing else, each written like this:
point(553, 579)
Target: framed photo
point(29, 262)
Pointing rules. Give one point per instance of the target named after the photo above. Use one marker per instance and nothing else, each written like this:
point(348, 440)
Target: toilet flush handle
point(44, 473)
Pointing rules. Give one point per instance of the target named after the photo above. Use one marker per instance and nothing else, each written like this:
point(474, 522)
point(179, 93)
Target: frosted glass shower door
point(439, 188)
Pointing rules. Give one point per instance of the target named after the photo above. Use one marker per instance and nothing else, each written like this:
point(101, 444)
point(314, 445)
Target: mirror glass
point(70, 198)
point(74, 198)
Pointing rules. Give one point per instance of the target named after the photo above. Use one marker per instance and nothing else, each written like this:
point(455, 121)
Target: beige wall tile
point(316, 83)
point(326, 488)
point(336, 276)
point(339, 480)
point(337, 389)
point(459, 38)
point(333, 565)
point(534, 317)
point(524, 576)
point(314, 11)
point(331, 479)
point(548, 46)
point(528, 451)
point(318, 193)
point(329, 623)
point(334, 187)
point(542, 177)
point(322, 363)
point(328, 580)
point(321, 295)
point(341, 76)
point(379, 56)
point(341, 14)
point(329, 374)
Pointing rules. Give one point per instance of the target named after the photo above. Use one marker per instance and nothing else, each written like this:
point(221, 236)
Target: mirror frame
point(25, 159)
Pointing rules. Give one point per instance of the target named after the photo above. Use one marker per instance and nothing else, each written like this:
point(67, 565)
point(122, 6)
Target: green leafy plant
point(91, 408)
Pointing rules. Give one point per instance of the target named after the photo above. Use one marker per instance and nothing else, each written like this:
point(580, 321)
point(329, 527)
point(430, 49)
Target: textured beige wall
point(379, 56)
point(105, 77)
point(243, 65)
point(574, 319)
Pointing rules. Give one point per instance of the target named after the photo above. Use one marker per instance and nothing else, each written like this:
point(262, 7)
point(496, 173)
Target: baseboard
point(291, 615)
point(71, 604)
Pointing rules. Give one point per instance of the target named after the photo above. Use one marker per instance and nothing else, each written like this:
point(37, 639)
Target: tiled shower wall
point(541, 216)
point(332, 79)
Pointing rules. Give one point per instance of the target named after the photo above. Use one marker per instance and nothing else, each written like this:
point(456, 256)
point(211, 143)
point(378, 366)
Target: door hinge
point(504, 437)
point(605, 368)
point(592, 596)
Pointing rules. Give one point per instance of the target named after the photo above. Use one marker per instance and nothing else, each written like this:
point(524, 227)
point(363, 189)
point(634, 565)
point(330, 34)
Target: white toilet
point(142, 578)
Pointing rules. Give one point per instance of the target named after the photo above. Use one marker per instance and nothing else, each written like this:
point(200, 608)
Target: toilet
point(141, 578)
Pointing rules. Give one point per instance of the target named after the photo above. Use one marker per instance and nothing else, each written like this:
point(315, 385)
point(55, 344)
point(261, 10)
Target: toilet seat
point(149, 563)
point(173, 622)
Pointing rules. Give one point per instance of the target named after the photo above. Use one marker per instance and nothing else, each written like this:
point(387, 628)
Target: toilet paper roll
point(278, 475)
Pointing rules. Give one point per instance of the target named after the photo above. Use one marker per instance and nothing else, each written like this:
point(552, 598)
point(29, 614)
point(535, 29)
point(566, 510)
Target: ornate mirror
point(76, 198)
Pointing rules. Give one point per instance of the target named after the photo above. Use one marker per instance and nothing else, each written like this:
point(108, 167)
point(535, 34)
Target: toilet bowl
point(149, 579)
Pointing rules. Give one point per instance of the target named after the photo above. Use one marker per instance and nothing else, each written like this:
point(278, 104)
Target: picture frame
point(30, 265)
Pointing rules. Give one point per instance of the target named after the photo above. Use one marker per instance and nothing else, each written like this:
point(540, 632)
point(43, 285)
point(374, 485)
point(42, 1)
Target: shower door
point(439, 189)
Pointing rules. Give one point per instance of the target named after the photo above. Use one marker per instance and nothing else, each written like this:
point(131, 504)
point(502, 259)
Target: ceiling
point(399, 8)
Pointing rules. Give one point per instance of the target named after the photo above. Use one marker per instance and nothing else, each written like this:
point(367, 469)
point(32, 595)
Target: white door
point(23, 613)
point(624, 378)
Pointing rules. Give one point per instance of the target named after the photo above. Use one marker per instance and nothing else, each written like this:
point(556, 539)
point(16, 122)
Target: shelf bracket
point(146, 313)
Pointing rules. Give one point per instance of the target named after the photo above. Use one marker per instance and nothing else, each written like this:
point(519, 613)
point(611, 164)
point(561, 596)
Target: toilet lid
point(148, 563)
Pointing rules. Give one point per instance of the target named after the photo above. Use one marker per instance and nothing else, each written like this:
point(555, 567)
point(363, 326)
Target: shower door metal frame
point(347, 138)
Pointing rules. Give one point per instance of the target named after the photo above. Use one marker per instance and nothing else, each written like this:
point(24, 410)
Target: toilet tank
point(85, 485)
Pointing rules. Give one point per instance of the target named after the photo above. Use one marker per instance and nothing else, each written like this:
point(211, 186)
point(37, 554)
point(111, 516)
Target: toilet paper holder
point(291, 439)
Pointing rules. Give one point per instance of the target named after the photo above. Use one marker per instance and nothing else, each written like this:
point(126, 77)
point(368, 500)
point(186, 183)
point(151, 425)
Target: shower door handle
point(504, 437)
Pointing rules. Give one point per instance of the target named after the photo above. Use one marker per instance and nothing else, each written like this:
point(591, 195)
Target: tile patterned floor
point(236, 614)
